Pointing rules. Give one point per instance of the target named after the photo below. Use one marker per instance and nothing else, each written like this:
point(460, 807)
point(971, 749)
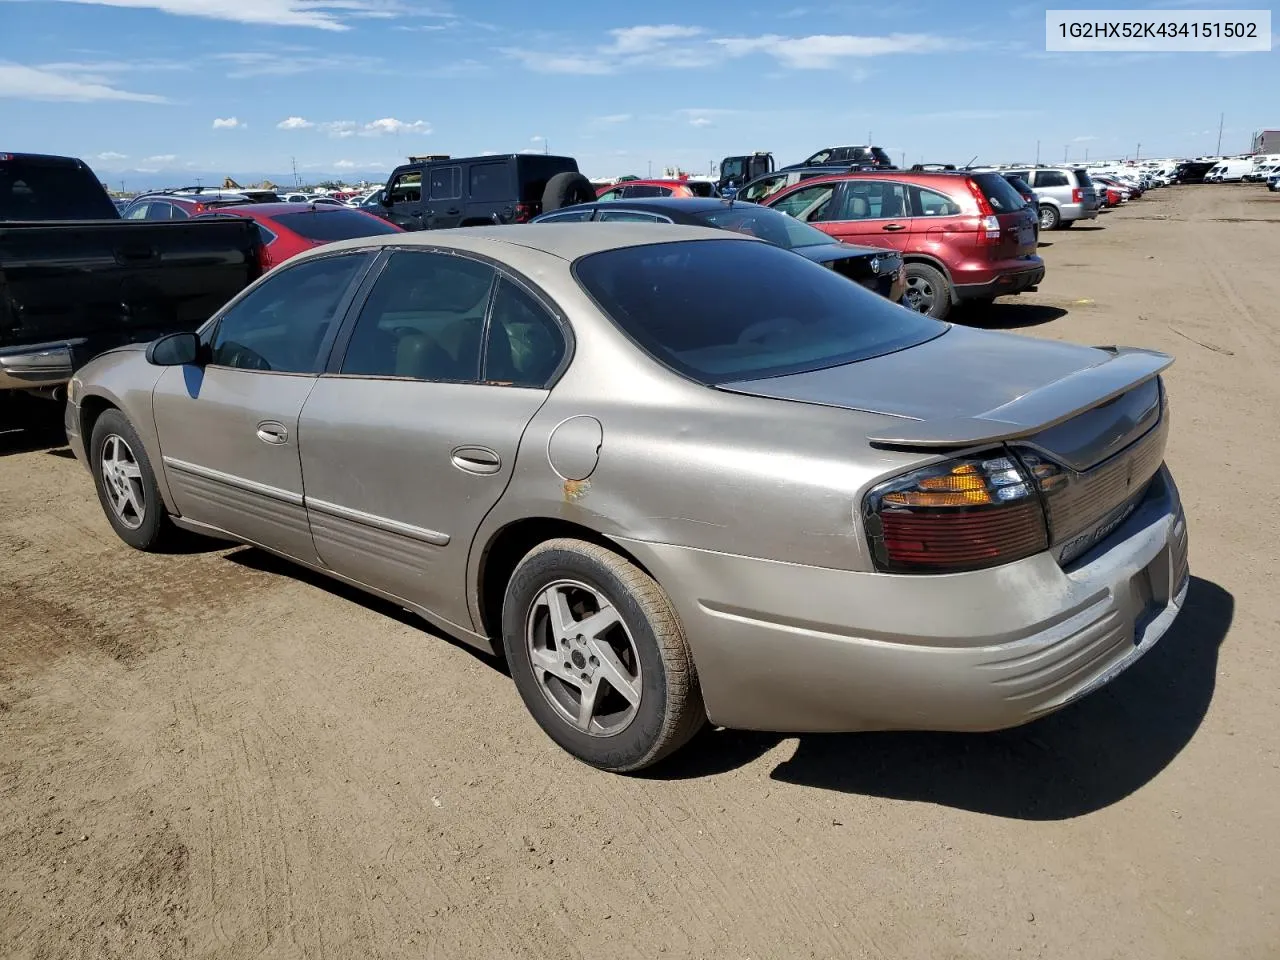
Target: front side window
point(763, 188)
point(524, 344)
point(807, 203)
point(571, 216)
point(424, 319)
point(407, 187)
point(718, 311)
point(610, 195)
point(280, 325)
point(138, 211)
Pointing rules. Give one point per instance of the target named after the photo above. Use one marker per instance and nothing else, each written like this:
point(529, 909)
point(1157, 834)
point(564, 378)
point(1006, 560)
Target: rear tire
point(1049, 218)
point(557, 661)
point(566, 190)
point(126, 484)
point(927, 291)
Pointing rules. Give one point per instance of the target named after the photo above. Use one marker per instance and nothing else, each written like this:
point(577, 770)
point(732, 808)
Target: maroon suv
point(965, 237)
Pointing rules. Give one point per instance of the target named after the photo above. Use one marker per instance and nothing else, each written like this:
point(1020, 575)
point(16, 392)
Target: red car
point(289, 228)
point(964, 237)
point(642, 189)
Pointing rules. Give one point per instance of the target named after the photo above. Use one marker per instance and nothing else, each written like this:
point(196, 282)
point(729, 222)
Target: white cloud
point(537, 138)
point(824, 51)
point(112, 155)
point(378, 128)
point(700, 122)
point(227, 123)
point(644, 39)
point(161, 158)
point(345, 165)
point(1085, 139)
point(340, 128)
point(612, 118)
point(318, 14)
point(530, 150)
point(294, 123)
point(36, 83)
point(292, 61)
point(570, 63)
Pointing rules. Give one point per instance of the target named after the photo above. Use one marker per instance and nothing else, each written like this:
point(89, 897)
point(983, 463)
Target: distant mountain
point(135, 181)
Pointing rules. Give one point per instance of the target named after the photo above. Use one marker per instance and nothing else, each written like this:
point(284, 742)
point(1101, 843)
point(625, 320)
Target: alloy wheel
point(919, 295)
point(584, 658)
point(122, 481)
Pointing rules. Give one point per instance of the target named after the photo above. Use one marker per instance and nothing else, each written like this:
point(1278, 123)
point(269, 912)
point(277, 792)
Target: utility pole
point(296, 181)
point(1065, 148)
point(1221, 117)
point(1086, 154)
point(1037, 153)
point(650, 177)
point(1137, 155)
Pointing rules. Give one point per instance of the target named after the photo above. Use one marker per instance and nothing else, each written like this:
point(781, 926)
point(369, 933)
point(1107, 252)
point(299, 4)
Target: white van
point(1229, 171)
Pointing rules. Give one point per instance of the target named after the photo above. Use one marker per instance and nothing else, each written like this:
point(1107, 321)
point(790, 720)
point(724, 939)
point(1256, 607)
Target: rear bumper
point(1005, 282)
point(37, 366)
point(792, 648)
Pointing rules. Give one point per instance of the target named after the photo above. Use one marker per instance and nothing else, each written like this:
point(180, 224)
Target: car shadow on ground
point(1007, 315)
point(1083, 759)
point(254, 559)
point(1082, 228)
point(28, 425)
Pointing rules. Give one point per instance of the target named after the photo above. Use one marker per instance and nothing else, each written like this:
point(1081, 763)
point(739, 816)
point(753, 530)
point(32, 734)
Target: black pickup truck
point(76, 280)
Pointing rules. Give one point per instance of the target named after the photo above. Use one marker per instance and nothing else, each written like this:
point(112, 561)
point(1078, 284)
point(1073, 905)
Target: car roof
point(654, 182)
point(678, 204)
point(277, 209)
point(567, 241)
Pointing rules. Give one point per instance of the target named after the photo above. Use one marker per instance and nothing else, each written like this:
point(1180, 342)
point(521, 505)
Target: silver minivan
point(1064, 194)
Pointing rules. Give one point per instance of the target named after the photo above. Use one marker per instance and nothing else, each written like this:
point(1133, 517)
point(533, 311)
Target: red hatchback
point(965, 237)
point(290, 228)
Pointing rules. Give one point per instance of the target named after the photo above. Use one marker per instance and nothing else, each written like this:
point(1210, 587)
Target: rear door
point(409, 438)
point(490, 190)
point(443, 205)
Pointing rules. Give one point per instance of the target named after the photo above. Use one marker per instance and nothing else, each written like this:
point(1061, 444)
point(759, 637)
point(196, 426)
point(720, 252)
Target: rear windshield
point(31, 190)
point(718, 311)
point(765, 223)
point(701, 188)
point(881, 157)
point(999, 192)
point(335, 223)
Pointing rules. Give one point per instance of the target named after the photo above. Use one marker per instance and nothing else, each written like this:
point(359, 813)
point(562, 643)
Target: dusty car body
point(848, 517)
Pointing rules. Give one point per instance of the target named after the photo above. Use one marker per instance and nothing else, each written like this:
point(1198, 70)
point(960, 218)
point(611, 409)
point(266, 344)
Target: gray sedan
point(671, 474)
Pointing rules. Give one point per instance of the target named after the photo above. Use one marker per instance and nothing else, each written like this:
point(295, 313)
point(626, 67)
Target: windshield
point(34, 190)
point(723, 310)
point(733, 169)
point(765, 223)
point(332, 224)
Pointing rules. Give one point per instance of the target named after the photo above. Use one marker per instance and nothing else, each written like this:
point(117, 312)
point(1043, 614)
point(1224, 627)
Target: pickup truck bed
point(70, 290)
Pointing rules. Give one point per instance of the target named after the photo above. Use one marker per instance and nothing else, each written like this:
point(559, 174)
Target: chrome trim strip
point(433, 537)
point(275, 493)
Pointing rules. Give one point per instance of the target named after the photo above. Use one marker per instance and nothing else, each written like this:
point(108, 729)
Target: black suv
point(431, 193)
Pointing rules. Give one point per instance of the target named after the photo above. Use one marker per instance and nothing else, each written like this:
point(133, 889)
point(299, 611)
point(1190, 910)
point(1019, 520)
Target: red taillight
point(1077, 195)
point(201, 208)
point(957, 515)
point(264, 257)
point(525, 212)
point(984, 205)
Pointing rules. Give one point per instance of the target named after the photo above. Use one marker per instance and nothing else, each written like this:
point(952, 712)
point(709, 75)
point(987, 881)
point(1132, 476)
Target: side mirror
point(385, 200)
point(174, 350)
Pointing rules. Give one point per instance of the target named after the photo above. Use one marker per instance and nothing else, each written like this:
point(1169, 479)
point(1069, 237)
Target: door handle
point(479, 460)
point(270, 431)
point(453, 212)
point(894, 226)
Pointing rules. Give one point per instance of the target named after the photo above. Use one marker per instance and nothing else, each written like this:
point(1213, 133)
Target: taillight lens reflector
point(1077, 195)
point(957, 515)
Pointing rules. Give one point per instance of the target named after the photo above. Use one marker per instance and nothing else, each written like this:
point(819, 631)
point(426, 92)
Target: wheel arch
point(508, 545)
point(931, 261)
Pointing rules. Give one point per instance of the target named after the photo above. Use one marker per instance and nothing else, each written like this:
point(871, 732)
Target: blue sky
point(346, 86)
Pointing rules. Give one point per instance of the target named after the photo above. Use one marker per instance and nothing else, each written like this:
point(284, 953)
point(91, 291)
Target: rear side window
point(700, 188)
point(630, 216)
point(724, 310)
point(930, 203)
point(872, 200)
point(1000, 193)
point(335, 223)
point(446, 183)
point(645, 190)
point(50, 191)
point(424, 319)
point(523, 345)
point(1051, 178)
point(488, 182)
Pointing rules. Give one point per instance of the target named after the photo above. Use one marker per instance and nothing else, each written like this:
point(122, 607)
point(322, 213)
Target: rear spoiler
point(1034, 411)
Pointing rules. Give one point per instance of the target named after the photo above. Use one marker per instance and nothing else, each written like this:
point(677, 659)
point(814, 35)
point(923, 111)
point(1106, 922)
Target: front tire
point(599, 656)
point(126, 483)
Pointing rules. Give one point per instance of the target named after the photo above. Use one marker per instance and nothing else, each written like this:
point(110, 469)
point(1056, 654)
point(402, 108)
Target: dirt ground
point(218, 755)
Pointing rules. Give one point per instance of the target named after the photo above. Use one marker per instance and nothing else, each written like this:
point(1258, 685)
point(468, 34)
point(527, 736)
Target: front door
point(410, 438)
point(406, 201)
point(228, 431)
point(443, 207)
